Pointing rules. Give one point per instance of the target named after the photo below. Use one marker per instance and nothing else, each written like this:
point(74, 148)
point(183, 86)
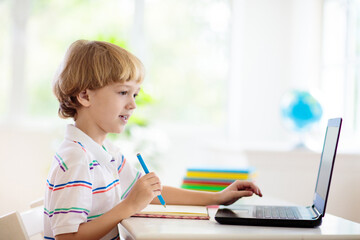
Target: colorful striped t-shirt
point(85, 181)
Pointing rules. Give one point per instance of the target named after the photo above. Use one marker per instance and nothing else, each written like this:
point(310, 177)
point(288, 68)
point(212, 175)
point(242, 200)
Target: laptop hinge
point(316, 212)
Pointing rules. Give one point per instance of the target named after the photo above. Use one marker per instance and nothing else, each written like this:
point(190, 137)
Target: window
point(187, 47)
point(341, 60)
point(45, 29)
point(4, 55)
point(183, 46)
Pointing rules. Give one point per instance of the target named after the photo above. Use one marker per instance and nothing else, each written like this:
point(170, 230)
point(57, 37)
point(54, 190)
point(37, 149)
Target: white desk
point(332, 227)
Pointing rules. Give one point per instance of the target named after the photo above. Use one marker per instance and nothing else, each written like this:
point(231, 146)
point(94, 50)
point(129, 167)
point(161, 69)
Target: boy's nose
point(132, 104)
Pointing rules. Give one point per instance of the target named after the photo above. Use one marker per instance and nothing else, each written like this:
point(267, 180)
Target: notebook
point(174, 211)
point(292, 216)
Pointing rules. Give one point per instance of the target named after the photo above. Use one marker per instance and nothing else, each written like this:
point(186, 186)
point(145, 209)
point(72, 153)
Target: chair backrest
point(33, 220)
point(37, 203)
point(22, 226)
point(12, 227)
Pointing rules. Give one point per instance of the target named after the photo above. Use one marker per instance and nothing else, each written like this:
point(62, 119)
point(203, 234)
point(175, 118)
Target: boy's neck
point(93, 132)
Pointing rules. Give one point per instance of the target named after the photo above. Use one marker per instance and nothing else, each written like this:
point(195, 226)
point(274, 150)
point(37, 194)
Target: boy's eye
point(123, 92)
point(135, 95)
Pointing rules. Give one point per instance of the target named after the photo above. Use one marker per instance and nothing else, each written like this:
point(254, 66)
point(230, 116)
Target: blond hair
point(92, 65)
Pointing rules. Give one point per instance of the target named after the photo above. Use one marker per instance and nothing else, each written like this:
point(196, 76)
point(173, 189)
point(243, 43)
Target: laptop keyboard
point(277, 212)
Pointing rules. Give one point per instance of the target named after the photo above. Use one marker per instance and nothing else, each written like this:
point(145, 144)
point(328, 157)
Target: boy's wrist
point(212, 198)
point(217, 198)
point(125, 209)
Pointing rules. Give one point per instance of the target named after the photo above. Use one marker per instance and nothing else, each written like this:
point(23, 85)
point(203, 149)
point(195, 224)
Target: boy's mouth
point(125, 117)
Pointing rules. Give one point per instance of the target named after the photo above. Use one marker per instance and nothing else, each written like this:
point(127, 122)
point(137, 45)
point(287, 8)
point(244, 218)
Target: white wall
point(25, 156)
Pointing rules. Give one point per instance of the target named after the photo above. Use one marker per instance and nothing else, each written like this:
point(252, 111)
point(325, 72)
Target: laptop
point(291, 216)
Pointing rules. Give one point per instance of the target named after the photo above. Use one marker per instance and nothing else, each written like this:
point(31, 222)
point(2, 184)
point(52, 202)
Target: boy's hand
point(236, 190)
point(144, 191)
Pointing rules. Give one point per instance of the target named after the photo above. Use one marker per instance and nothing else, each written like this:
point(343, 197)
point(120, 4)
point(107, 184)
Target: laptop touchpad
point(240, 211)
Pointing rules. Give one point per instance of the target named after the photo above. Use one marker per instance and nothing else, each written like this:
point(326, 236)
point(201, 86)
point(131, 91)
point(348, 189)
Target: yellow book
point(174, 211)
point(218, 175)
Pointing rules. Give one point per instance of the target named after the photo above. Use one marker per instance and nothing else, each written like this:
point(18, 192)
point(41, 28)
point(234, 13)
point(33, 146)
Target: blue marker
point(146, 170)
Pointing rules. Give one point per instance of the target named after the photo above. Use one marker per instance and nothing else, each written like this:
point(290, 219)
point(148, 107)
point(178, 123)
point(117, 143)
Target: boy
point(91, 187)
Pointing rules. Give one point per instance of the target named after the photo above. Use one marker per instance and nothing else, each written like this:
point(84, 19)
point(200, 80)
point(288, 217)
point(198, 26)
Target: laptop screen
point(327, 164)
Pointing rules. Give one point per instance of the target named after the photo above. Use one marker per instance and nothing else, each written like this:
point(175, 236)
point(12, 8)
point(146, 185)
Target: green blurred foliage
point(43, 103)
point(112, 38)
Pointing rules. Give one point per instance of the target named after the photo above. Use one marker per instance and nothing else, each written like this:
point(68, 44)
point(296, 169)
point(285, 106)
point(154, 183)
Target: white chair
point(37, 203)
point(15, 226)
point(33, 220)
point(12, 227)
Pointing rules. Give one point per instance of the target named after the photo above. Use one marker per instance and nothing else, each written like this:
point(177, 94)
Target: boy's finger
point(249, 186)
point(156, 186)
point(157, 193)
point(244, 194)
point(255, 188)
point(149, 175)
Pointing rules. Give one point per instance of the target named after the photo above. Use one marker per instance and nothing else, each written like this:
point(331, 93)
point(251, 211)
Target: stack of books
point(213, 179)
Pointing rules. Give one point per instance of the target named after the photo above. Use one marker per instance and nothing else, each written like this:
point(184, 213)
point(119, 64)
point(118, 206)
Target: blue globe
point(300, 110)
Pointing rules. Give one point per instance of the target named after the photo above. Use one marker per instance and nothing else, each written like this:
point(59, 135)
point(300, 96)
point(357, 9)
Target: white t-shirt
point(85, 181)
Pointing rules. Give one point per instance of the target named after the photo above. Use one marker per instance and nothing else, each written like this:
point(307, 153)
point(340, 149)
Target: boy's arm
point(228, 196)
point(144, 190)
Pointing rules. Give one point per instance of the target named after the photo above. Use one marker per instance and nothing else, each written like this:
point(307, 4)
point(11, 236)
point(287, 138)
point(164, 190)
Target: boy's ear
point(83, 98)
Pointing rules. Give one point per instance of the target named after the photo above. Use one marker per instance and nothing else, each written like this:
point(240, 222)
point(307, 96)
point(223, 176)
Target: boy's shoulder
point(72, 153)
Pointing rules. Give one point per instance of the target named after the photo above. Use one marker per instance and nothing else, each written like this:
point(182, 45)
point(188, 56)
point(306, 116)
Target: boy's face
point(112, 106)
